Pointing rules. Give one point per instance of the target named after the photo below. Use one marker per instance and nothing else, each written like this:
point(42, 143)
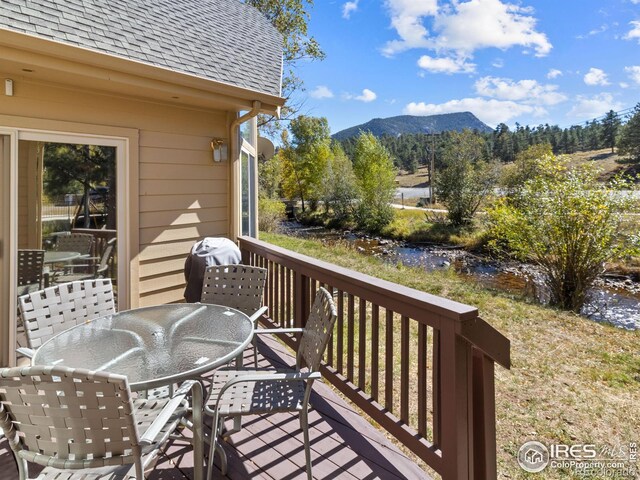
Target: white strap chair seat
point(81, 424)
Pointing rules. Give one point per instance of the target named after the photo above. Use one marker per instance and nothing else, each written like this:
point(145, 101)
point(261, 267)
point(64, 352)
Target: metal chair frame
point(237, 286)
point(82, 424)
point(258, 391)
point(48, 312)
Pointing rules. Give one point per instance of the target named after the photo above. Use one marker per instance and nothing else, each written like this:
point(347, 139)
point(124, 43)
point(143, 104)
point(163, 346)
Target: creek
point(613, 299)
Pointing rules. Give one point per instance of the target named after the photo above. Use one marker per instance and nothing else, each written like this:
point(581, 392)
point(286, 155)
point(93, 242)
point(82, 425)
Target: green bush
point(270, 213)
point(566, 222)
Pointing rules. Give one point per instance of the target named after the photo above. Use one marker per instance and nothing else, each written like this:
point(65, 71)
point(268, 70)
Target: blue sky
point(531, 61)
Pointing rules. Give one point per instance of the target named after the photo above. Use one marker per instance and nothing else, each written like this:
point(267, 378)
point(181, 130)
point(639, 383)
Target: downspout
point(234, 174)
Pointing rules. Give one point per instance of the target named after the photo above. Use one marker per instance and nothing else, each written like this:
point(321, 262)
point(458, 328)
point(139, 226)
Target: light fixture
point(219, 149)
point(8, 87)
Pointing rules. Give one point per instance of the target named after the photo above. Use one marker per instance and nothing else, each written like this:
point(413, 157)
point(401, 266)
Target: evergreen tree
point(629, 143)
point(610, 127)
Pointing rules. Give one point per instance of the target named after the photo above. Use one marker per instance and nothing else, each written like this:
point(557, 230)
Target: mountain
point(414, 124)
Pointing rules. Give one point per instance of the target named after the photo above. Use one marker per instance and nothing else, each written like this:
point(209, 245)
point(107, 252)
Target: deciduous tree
point(375, 178)
point(304, 160)
point(466, 179)
point(291, 19)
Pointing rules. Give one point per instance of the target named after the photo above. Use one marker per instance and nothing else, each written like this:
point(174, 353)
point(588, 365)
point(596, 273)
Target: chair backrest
point(48, 312)
point(317, 331)
point(235, 286)
point(68, 418)
point(103, 265)
point(76, 242)
point(30, 263)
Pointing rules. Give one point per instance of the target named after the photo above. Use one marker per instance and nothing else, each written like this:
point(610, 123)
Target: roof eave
point(119, 73)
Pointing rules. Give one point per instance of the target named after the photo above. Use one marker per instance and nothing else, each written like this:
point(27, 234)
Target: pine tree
point(629, 142)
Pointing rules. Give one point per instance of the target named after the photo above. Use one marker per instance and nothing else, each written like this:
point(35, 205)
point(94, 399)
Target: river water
point(614, 300)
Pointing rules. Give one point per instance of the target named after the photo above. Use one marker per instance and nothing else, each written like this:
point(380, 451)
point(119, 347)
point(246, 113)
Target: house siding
point(182, 195)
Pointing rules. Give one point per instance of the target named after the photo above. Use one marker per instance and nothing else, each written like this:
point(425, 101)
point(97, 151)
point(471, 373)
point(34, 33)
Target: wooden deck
point(344, 444)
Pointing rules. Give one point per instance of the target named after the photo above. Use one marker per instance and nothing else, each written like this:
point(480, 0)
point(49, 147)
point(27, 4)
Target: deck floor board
point(343, 444)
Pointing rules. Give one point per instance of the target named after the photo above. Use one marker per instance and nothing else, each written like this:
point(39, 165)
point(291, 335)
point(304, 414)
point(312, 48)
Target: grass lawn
point(571, 381)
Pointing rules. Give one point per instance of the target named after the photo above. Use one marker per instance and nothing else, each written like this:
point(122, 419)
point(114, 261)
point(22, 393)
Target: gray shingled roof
point(221, 40)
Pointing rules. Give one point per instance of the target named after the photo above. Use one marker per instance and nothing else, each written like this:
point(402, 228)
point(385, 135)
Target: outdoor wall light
point(219, 149)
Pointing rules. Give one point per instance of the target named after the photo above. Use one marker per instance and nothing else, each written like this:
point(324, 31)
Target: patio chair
point(81, 424)
point(50, 311)
point(92, 267)
point(237, 286)
point(30, 270)
point(249, 392)
point(76, 242)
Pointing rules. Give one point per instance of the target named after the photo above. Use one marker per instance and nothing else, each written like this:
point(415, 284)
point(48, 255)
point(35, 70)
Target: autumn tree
point(304, 159)
point(375, 180)
point(339, 192)
point(291, 19)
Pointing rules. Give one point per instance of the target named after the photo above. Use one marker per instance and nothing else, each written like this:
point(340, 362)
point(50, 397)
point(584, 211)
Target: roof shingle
point(221, 40)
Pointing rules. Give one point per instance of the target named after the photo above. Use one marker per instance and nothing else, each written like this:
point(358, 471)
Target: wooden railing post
point(455, 400)
point(484, 416)
point(300, 299)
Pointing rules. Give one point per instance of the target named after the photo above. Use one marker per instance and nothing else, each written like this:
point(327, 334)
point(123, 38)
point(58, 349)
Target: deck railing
point(420, 366)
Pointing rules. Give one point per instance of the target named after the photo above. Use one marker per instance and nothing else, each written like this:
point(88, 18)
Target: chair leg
point(304, 424)
point(255, 351)
point(217, 428)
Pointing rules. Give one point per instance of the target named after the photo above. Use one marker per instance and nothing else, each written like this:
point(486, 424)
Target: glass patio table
point(155, 346)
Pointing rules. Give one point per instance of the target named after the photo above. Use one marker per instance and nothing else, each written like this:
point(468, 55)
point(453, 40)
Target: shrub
point(270, 213)
point(566, 222)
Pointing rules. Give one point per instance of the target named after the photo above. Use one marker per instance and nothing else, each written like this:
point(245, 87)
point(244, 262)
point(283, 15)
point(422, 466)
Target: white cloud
point(366, 96)
point(491, 112)
point(623, 85)
point(497, 63)
point(596, 76)
point(595, 31)
point(554, 73)
point(406, 19)
point(528, 92)
point(591, 107)
point(476, 24)
point(445, 65)
point(349, 7)
point(320, 92)
point(634, 32)
point(634, 71)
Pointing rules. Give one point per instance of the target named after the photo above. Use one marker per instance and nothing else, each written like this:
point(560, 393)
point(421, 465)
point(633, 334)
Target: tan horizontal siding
point(162, 266)
point(159, 139)
point(157, 203)
point(159, 171)
point(180, 156)
point(190, 232)
point(164, 250)
point(164, 282)
point(171, 295)
point(154, 119)
point(173, 218)
point(182, 187)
